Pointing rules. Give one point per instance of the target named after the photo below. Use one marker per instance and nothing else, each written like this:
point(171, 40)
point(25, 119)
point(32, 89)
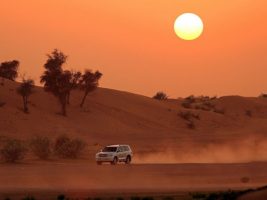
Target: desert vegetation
point(9, 70)
point(160, 96)
point(61, 82)
point(263, 95)
point(189, 117)
point(55, 79)
point(204, 103)
point(74, 83)
point(88, 83)
point(25, 90)
point(14, 150)
point(66, 147)
point(41, 147)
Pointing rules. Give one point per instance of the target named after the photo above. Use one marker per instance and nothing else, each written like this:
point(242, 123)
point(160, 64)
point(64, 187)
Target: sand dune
point(151, 127)
point(158, 136)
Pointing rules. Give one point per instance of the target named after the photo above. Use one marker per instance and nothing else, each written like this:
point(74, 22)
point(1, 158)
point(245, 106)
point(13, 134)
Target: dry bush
point(206, 106)
point(200, 102)
point(186, 104)
point(13, 150)
point(188, 116)
point(263, 95)
point(41, 147)
point(66, 147)
point(160, 96)
point(188, 101)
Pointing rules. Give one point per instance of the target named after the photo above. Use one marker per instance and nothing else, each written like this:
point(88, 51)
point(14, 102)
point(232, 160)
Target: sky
point(135, 47)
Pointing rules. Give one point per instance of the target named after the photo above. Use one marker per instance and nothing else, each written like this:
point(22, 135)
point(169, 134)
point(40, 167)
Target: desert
point(133, 100)
point(223, 151)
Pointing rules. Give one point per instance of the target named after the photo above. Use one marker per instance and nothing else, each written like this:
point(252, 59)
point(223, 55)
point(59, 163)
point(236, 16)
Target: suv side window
point(120, 149)
point(126, 148)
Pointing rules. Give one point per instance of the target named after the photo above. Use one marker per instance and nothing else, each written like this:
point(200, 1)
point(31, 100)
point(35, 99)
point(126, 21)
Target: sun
point(188, 26)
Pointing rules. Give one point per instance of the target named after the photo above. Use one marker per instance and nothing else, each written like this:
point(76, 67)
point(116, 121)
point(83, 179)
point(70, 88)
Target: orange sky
point(134, 45)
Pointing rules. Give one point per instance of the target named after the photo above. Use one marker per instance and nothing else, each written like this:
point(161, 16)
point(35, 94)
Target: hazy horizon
point(133, 43)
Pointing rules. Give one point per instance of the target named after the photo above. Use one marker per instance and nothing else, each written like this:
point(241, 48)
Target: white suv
point(114, 154)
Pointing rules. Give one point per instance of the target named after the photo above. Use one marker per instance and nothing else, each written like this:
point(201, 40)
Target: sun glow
point(188, 26)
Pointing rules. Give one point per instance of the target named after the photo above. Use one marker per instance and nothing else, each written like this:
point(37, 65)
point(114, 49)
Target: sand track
point(88, 176)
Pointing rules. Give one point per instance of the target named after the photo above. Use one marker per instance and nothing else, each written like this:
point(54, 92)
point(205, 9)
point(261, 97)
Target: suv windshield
point(109, 149)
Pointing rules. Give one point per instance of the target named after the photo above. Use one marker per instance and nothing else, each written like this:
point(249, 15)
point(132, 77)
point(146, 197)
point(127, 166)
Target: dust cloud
point(248, 150)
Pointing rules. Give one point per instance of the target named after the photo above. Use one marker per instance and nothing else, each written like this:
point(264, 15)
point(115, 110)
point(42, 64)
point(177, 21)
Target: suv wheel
point(128, 160)
point(115, 161)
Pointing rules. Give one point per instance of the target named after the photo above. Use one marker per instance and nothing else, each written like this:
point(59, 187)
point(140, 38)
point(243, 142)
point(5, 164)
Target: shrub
point(66, 147)
point(188, 101)
point(187, 115)
point(160, 96)
point(263, 95)
point(191, 99)
point(41, 147)
point(186, 104)
point(13, 150)
point(206, 106)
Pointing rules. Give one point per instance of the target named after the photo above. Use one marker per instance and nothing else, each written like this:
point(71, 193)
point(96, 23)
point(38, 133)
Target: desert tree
point(89, 82)
point(9, 70)
point(55, 80)
point(160, 96)
point(25, 90)
point(74, 82)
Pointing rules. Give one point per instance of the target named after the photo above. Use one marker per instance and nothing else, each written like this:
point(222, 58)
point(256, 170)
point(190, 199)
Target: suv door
point(120, 153)
point(125, 152)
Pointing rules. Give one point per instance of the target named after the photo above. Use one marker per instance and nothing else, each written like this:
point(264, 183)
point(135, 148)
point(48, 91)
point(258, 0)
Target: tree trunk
point(68, 98)
point(25, 104)
point(83, 100)
point(63, 101)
